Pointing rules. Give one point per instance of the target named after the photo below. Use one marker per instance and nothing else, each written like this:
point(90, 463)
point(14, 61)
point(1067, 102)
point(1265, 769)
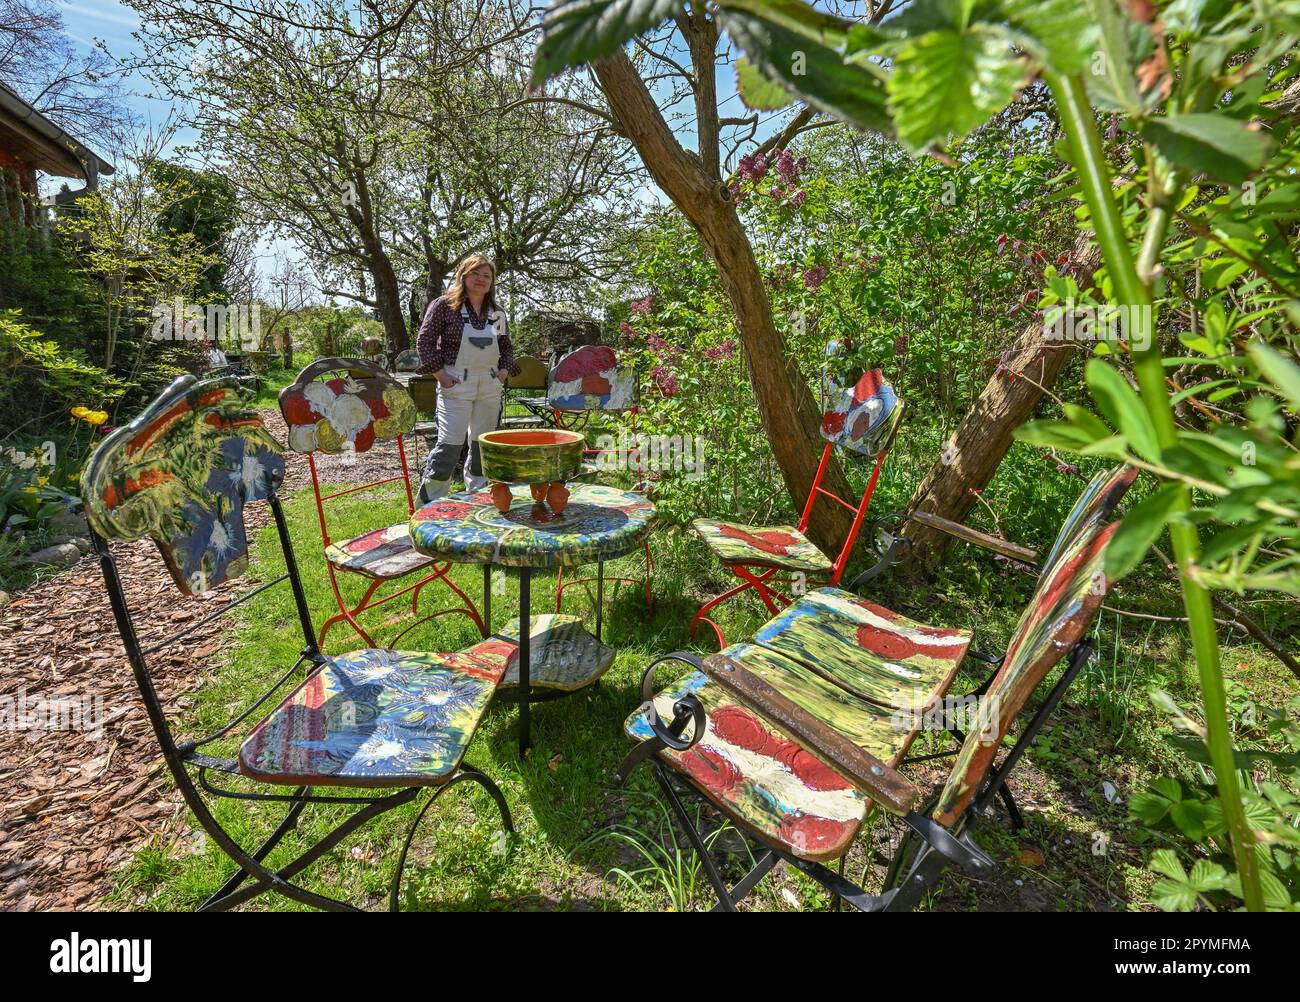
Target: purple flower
point(814, 277)
point(785, 165)
point(798, 198)
point(641, 306)
point(752, 167)
point(627, 330)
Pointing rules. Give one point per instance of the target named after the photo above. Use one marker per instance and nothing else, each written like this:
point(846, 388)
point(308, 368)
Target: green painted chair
point(389, 726)
point(796, 736)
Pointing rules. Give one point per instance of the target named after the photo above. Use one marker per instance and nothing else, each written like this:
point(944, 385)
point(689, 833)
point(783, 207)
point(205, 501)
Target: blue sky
point(89, 21)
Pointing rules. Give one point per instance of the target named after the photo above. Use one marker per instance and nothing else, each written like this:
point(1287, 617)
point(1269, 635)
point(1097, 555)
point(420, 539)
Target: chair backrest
point(348, 413)
point(181, 474)
point(590, 378)
point(866, 418)
point(864, 423)
point(533, 374)
point(1069, 592)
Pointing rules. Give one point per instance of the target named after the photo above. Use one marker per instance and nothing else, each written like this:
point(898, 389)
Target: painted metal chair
point(586, 381)
point(862, 424)
point(798, 735)
point(346, 415)
point(182, 473)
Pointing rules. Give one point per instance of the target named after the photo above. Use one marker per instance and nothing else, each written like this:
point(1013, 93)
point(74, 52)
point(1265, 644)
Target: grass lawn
point(584, 844)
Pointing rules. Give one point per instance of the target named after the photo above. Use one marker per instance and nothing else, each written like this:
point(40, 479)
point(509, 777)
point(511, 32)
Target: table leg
point(525, 657)
point(487, 599)
point(600, 595)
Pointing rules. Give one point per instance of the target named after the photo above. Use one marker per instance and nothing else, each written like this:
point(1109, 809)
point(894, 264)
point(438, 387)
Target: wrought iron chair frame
point(908, 878)
point(183, 756)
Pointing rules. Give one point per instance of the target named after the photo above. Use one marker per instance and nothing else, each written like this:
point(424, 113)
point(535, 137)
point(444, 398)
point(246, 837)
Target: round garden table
point(600, 523)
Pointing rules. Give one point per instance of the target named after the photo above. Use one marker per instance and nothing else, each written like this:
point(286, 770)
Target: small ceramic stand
point(542, 459)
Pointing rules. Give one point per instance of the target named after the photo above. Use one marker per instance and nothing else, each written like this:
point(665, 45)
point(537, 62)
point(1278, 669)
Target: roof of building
point(34, 139)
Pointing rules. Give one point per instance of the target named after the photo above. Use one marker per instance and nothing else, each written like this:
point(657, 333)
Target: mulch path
point(76, 806)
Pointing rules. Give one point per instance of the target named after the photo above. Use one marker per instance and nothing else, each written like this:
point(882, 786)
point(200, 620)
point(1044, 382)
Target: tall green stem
point(1148, 364)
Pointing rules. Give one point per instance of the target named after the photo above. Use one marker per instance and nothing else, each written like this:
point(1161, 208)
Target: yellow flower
point(43, 481)
point(97, 418)
point(29, 489)
point(80, 412)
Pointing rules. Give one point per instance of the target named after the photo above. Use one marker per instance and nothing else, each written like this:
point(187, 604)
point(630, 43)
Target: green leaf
point(756, 90)
point(1063, 29)
point(947, 82)
point(1110, 78)
point(1214, 144)
point(578, 31)
point(1280, 370)
point(1088, 421)
point(799, 55)
point(1054, 435)
point(1141, 527)
point(1121, 406)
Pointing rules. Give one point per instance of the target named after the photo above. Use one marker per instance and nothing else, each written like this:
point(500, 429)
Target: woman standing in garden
point(463, 341)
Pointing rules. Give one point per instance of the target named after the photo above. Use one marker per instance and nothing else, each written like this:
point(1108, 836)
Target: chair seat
point(760, 777)
point(781, 546)
point(866, 649)
point(375, 718)
point(383, 553)
point(562, 654)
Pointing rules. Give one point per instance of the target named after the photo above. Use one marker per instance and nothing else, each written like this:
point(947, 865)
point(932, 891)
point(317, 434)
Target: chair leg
point(467, 773)
point(1017, 822)
point(720, 888)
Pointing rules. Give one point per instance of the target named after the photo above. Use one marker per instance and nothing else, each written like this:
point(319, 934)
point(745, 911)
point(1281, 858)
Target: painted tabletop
point(599, 523)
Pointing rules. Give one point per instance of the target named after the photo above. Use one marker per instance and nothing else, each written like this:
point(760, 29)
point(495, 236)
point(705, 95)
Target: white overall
point(471, 405)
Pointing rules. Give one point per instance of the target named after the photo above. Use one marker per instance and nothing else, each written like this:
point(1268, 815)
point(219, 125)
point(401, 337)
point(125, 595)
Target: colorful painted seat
point(182, 473)
point(345, 415)
point(374, 718)
point(781, 546)
point(382, 553)
point(866, 649)
point(562, 654)
point(862, 424)
point(796, 736)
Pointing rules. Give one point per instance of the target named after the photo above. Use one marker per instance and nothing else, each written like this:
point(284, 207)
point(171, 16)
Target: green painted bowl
point(531, 456)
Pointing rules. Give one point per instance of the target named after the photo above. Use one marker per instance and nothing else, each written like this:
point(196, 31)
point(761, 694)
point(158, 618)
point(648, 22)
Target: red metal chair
point(863, 424)
point(587, 381)
point(348, 413)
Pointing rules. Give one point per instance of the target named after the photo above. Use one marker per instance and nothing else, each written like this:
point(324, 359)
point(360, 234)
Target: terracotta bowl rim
point(570, 437)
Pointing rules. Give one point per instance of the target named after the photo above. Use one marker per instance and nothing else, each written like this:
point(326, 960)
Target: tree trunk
point(971, 456)
point(789, 413)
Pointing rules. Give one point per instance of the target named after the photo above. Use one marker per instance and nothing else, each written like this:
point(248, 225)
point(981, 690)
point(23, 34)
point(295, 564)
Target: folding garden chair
point(182, 473)
point(590, 380)
point(798, 735)
point(521, 389)
point(862, 424)
point(348, 415)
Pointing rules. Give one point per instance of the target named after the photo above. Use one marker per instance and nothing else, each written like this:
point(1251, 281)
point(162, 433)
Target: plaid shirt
point(438, 341)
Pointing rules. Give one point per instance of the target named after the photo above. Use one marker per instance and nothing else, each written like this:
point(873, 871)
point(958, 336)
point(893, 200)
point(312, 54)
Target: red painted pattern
point(741, 728)
point(586, 361)
point(809, 833)
point(769, 541)
point(898, 646)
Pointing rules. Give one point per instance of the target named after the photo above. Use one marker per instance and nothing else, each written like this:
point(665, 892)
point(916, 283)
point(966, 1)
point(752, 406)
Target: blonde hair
point(456, 294)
